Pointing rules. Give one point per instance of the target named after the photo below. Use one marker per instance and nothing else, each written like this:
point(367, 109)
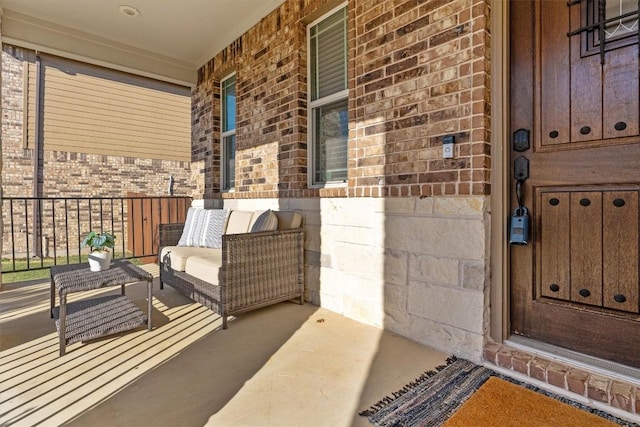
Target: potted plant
point(100, 245)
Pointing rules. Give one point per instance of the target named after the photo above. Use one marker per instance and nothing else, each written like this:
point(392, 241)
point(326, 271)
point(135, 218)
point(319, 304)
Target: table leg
point(53, 297)
point(63, 324)
point(122, 289)
point(149, 303)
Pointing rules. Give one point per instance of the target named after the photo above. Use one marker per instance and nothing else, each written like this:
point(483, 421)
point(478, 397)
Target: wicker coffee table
point(104, 315)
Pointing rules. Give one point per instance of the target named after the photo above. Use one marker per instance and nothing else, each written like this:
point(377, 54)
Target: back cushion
point(238, 222)
point(203, 228)
point(288, 220)
point(266, 221)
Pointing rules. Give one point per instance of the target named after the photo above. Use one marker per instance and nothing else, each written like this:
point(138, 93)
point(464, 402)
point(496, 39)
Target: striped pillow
point(203, 228)
point(267, 221)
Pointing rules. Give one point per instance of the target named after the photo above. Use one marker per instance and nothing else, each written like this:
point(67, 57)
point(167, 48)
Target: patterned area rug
point(435, 396)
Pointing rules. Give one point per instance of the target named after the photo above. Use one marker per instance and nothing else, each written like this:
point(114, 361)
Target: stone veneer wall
point(415, 266)
point(404, 244)
point(66, 174)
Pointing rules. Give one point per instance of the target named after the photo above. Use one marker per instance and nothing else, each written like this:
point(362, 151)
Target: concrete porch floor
point(285, 365)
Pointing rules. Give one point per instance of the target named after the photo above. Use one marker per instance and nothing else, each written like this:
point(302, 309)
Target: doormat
point(437, 398)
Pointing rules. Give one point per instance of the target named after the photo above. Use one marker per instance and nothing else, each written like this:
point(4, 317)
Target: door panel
point(555, 245)
point(555, 86)
point(574, 257)
point(576, 284)
point(620, 261)
point(586, 248)
point(620, 92)
point(586, 83)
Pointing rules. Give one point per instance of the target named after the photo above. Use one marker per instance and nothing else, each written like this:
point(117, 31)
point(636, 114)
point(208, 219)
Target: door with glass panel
point(575, 123)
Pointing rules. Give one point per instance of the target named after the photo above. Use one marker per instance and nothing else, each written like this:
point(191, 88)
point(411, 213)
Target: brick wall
point(597, 387)
point(418, 70)
point(270, 65)
point(205, 143)
point(421, 73)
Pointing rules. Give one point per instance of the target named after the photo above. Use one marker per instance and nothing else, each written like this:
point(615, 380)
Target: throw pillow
point(203, 228)
point(213, 228)
point(188, 230)
point(267, 221)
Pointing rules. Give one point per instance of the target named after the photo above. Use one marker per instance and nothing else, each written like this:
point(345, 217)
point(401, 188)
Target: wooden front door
point(574, 90)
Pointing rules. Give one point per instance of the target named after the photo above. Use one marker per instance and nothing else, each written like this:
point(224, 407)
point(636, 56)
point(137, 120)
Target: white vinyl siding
point(328, 98)
point(228, 114)
point(88, 109)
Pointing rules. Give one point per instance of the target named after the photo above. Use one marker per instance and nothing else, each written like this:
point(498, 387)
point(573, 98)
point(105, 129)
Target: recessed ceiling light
point(129, 11)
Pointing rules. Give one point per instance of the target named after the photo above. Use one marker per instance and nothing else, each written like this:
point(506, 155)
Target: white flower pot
point(99, 261)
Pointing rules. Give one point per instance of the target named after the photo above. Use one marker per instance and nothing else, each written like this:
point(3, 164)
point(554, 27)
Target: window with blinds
point(228, 107)
point(328, 98)
point(96, 110)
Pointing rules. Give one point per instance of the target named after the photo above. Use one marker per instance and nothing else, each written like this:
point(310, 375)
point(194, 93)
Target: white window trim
point(338, 96)
point(225, 134)
point(344, 94)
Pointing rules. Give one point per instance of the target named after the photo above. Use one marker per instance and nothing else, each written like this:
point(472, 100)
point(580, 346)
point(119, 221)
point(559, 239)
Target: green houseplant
point(100, 245)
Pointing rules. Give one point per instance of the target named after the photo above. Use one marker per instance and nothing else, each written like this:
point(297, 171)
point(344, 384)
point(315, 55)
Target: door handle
point(521, 168)
point(519, 228)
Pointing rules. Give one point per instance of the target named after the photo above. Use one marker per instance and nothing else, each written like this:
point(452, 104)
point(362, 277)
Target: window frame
point(590, 43)
point(224, 185)
point(312, 105)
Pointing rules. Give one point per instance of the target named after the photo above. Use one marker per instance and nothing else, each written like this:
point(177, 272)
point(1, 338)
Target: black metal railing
point(39, 232)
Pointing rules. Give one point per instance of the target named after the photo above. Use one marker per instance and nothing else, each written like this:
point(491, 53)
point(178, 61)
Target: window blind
point(329, 104)
point(328, 56)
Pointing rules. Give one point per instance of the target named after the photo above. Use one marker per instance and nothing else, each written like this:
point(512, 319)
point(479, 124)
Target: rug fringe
point(407, 388)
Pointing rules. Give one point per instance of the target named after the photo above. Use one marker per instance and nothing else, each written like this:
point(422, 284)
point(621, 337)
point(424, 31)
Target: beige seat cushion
point(288, 220)
point(238, 222)
point(204, 268)
point(180, 254)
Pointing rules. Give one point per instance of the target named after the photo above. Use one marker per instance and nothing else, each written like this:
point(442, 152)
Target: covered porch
point(405, 252)
point(287, 365)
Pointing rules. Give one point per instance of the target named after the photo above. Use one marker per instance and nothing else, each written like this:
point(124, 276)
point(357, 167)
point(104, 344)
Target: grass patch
point(25, 276)
point(42, 271)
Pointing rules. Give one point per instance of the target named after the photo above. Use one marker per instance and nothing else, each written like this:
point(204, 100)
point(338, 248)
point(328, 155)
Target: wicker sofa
point(251, 269)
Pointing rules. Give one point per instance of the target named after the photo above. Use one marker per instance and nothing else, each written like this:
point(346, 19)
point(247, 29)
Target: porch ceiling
point(181, 34)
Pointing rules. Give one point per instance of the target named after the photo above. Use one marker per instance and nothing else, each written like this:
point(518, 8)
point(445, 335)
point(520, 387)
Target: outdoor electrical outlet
point(447, 146)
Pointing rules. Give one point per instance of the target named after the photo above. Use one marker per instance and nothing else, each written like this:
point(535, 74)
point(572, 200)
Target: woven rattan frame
point(98, 316)
point(258, 269)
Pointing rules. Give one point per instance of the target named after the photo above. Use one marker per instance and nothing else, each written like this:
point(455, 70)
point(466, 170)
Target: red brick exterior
point(418, 70)
point(610, 391)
